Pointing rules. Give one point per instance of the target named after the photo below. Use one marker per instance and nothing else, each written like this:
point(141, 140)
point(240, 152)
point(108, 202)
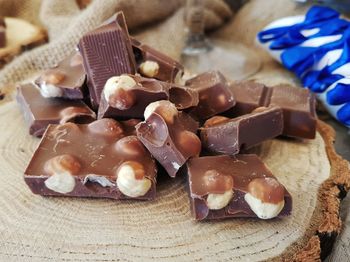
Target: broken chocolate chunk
point(39, 111)
point(228, 136)
point(298, 105)
point(169, 135)
point(152, 63)
point(66, 79)
point(127, 96)
point(234, 187)
point(98, 160)
point(214, 94)
point(106, 52)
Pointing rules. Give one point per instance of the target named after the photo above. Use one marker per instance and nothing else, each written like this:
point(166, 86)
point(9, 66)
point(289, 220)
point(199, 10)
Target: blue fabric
point(339, 95)
point(301, 60)
point(317, 17)
point(319, 81)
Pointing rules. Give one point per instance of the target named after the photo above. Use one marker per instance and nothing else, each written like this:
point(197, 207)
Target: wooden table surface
point(341, 250)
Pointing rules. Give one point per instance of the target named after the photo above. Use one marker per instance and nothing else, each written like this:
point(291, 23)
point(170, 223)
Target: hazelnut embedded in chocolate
point(216, 182)
point(220, 187)
point(49, 79)
point(219, 201)
point(259, 109)
point(106, 127)
point(131, 180)
point(52, 76)
point(73, 112)
point(164, 108)
point(61, 164)
point(130, 146)
point(117, 92)
point(216, 120)
point(61, 170)
point(189, 143)
point(149, 68)
point(265, 197)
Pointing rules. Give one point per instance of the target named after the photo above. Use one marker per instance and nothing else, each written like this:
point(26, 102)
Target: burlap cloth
point(51, 229)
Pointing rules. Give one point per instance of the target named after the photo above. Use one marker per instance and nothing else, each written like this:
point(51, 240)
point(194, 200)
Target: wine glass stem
point(196, 41)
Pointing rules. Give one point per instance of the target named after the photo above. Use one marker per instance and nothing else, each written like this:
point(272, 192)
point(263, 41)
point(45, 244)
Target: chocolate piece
point(106, 52)
point(66, 79)
point(39, 111)
point(96, 160)
point(152, 63)
point(214, 94)
point(169, 135)
point(298, 105)
point(238, 186)
point(2, 32)
point(229, 136)
point(127, 96)
point(183, 97)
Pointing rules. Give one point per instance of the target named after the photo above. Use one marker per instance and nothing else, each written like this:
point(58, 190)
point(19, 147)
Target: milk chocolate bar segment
point(66, 79)
point(169, 135)
point(298, 105)
point(106, 52)
point(248, 95)
point(98, 160)
point(152, 63)
point(229, 136)
point(214, 94)
point(2, 32)
point(234, 187)
point(299, 110)
point(127, 96)
point(39, 111)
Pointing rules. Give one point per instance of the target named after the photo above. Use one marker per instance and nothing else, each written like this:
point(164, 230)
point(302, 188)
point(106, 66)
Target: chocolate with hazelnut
point(66, 79)
point(169, 135)
point(228, 136)
point(127, 96)
point(214, 94)
point(39, 111)
point(235, 186)
point(100, 159)
point(152, 63)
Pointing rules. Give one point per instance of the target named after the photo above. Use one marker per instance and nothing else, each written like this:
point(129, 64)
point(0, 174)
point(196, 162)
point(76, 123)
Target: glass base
point(235, 61)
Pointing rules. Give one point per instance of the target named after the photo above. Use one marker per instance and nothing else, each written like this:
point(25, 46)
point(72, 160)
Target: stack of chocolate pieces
point(145, 117)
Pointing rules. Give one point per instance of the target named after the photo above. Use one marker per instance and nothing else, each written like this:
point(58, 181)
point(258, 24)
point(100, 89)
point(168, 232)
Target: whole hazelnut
point(216, 120)
point(217, 182)
point(61, 170)
point(117, 92)
point(189, 143)
point(61, 164)
point(265, 197)
point(130, 146)
point(131, 180)
point(106, 127)
point(149, 68)
point(52, 76)
point(164, 108)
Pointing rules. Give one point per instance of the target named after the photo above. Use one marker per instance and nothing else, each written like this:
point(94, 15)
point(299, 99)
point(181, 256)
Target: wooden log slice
point(60, 228)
